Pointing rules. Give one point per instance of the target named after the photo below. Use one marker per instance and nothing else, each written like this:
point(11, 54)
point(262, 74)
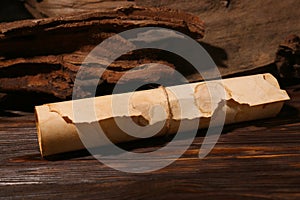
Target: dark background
point(11, 10)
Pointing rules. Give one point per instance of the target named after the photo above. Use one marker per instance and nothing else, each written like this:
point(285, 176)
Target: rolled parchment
point(162, 109)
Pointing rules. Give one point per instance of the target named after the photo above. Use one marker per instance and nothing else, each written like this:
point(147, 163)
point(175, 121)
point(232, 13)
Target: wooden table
point(254, 160)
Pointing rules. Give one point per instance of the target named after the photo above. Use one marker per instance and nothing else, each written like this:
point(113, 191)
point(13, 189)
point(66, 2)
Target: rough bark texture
point(240, 35)
point(43, 56)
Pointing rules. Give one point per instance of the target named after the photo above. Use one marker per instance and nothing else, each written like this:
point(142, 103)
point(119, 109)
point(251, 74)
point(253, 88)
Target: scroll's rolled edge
point(39, 133)
point(269, 106)
point(61, 115)
point(269, 84)
point(57, 141)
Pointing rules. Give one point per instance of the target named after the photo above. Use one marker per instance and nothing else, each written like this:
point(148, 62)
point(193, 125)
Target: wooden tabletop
point(253, 160)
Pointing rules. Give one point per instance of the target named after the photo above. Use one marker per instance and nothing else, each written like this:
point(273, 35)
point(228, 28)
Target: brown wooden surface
point(254, 160)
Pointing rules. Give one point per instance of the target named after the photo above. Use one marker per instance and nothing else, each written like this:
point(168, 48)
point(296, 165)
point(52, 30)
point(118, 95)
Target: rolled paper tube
point(161, 109)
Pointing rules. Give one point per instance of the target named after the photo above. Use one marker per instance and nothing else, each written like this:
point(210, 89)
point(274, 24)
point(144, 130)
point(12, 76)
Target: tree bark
point(43, 56)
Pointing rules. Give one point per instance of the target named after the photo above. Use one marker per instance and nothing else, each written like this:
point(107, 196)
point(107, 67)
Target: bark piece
point(288, 57)
point(43, 56)
point(162, 109)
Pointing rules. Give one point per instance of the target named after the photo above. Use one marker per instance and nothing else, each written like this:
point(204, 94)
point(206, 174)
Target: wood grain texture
point(254, 160)
point(47, 8)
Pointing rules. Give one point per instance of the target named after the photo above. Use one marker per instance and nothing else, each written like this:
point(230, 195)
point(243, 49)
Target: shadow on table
point(287, 115)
